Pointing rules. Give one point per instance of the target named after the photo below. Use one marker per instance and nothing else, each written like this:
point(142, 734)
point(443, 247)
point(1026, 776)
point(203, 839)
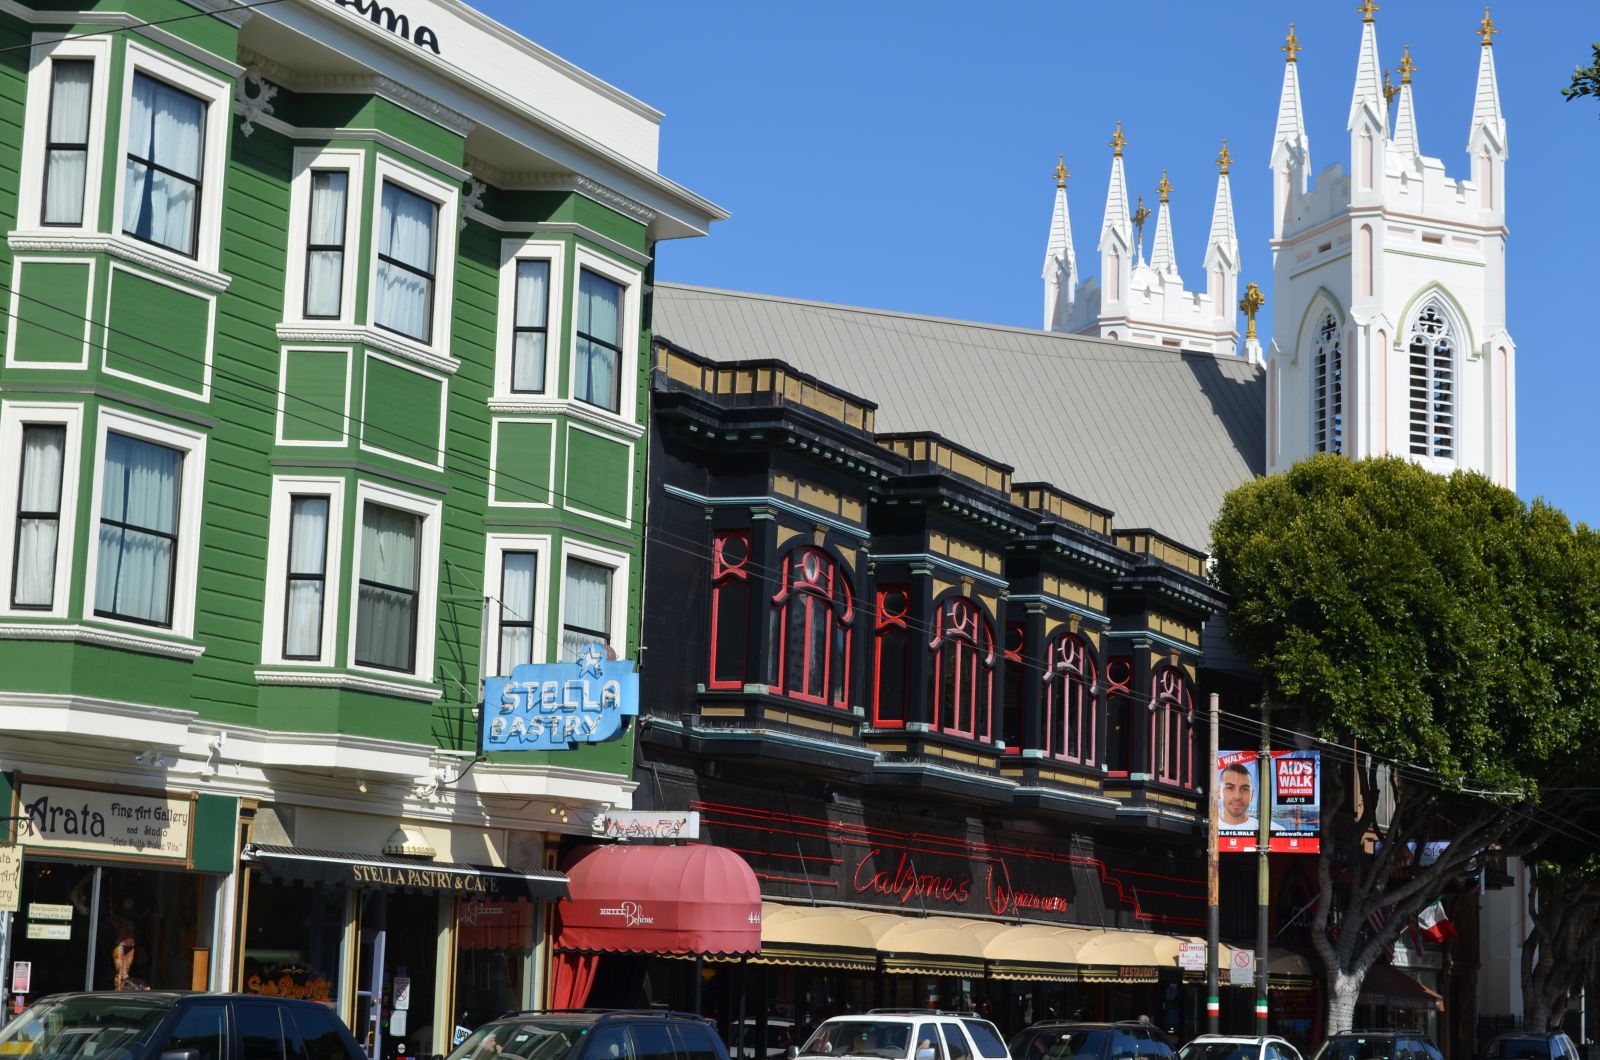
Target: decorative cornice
point(224, 10)
point(99, 636)
point(117, 247)
point(349, 682)
point(257, 106)
point(361, 84)
point(576, 410)
point(588, 186)
point(557, 228)
point(375, 338)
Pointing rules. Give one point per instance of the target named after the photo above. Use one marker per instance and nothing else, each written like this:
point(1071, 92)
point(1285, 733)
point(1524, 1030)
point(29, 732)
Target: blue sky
point(899, 156)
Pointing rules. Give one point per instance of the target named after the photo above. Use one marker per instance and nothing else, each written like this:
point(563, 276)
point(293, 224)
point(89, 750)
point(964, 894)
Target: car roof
point(171, 997)
point(1237, 1039)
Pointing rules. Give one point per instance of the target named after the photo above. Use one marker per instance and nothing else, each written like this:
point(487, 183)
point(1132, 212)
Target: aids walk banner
point(1294, 780)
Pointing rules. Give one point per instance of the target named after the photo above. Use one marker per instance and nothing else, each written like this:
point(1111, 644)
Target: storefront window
point(494, 941)
point(292, 940)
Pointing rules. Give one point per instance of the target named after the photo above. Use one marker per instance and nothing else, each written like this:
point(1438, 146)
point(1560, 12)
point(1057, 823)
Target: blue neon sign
point(556, 706)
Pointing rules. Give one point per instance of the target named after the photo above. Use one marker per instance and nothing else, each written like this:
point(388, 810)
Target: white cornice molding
point(99, 636)
point(350, 682)
point(375, 338)
point(576, 410)
point(360, 84)
point(586, 186)
point(127, 20)
point(120, 247)
point(558, 228)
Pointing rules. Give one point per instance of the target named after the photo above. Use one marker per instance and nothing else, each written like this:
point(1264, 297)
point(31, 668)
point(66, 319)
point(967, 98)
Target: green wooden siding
point(315, 395)
point(157, 331)
point(53, 312)
point(522, 456)
point(400, 410)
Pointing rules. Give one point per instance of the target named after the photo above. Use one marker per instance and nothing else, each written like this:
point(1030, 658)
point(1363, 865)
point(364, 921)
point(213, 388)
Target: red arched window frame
point(1069, 701)
point(1012, 732)
point(963, 670)
point(891, 656)
point(730, 609)
point(1118, 748)
point(1171, 728)
point(812, 613)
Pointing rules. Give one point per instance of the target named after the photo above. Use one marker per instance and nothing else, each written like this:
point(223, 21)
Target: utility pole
point(1264, 781)
point(1213, 890)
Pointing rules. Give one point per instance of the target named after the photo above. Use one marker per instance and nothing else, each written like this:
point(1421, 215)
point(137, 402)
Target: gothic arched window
point(1069, 701)
point(1433, 384)
point(963, 670)
point(1327, 365)
point(730, 608)
point(812, 613)
point(1171, 728)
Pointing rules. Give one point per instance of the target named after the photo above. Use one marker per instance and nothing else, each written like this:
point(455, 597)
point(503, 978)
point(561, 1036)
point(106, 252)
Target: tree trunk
point(1536, 1014)
point(1343, 991)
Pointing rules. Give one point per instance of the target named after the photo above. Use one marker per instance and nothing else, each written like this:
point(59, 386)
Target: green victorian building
point(323, 399)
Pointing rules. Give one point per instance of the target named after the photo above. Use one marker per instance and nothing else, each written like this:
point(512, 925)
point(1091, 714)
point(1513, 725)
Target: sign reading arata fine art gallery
point(57, 817)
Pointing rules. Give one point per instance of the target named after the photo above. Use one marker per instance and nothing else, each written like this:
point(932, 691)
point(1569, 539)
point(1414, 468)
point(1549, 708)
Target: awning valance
point(400, 873)
point(668, 899)
point(1388, 986)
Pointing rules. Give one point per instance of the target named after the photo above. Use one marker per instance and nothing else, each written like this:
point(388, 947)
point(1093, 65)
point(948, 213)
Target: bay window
point(139, 509)
point(325, 244)
point(519, 574)
point(586, 607)
point(1070, 717)
point(598, 356)
point(730, 608)
point(963, 670)
point(891, 663)
point(811, 616)
point(386, 604)
point(1171, 728)
point(66, 158)
point(403, 292)
point(33, 579)
point(162, 172)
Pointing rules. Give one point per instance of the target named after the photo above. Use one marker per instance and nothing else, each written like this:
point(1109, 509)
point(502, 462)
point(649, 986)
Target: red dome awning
point(648, 899)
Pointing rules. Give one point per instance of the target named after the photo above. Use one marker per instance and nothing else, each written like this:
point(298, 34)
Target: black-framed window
point(519, 575)
point(325, 228)
point(599, 352)
point(305, 581)
point(408, 227)
point(586, 607)
point(66, 148)
point(162, 175)
point(33, 576)
point(136, 566)
point(386, 606)
point(530, 326)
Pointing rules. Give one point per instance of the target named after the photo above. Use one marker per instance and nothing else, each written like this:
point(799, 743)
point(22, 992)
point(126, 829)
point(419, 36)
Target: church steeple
point(1369, 112)
point(1487, 139)
point(1291, 148)
point(1405, 117)
point(1060, 261)
point(1116, 236)
point(1163, 257)
point(1222, 248)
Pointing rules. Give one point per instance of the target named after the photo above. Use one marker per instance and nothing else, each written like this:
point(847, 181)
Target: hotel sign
point(556, 706)
point(112, 824)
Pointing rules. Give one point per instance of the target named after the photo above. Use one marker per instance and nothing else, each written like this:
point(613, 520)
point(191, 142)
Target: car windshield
point(1354, 1048)
point(522, 1039)
point(101, 1027)
point(892, 1041)
point(1219, 1051)
point(1059, 1045)
point(1518, 1049)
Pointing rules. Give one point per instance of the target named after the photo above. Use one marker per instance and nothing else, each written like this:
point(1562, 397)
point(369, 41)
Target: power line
point(242, 5)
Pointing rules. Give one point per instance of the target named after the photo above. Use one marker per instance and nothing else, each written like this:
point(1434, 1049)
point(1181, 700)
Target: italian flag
point(1434, 925)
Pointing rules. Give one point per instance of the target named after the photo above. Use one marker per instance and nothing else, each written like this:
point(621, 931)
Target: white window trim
point(632, 281)
point(619, 564)
point(36, 122)
point(444, 196)
point(283, 396)
point(218, 98)
point(14, 415)
point(431, 512)
point(284, 489)
point(496, 545)
point(511, 252)
point(186, 560)
point(307, 159)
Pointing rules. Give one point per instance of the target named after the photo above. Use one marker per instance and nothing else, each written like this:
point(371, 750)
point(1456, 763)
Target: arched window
point(1011, 692)
point(1171, 728)
point(1120, 707)
point(1433, 383)
point(891, 663)
point(1327, 365)
point(1069, 701)
point(730, 608)
point(812, 612)
point(963, 670)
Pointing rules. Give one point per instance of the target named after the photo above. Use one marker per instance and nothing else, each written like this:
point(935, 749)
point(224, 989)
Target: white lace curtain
point(308, 557)
point(532, 316)
point(325, 258)
point(67, 158)
point(599, 339)
point(403, 300)
point(386, 616)
point(161, 181)
point(516, 607)
point(587, 607)
point(39, 515)
point(138, 530)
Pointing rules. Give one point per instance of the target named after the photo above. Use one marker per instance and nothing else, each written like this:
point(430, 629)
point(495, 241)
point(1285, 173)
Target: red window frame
point(963, 652)
point(1070, 716)
point(813, 598)
point(1171, 728)
point(730, 566)
point(891, 623)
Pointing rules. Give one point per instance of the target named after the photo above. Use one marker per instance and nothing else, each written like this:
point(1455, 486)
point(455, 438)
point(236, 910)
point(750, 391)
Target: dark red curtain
point(571, 979)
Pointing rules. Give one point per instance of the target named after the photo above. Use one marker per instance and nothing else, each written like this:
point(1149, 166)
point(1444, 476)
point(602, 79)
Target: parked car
point(1075, 1040)
point(1379, 1045)
point(1518, 1045)
point(593, 1034)
point(907, 1034)
point(780, 1037)
point(1239, 1047)
point(167, 1025)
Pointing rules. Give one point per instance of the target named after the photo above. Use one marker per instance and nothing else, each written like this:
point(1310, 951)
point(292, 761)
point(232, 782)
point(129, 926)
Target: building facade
point(323, 399)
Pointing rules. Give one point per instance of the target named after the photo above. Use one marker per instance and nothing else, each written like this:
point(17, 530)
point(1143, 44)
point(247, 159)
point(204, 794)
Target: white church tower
point(1388, 292)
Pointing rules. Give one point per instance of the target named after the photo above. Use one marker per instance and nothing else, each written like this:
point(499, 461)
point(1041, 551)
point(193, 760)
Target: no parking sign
point(1243, 972)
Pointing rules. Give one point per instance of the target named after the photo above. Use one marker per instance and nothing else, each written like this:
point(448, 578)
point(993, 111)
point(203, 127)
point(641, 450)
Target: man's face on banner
point(1236, 794)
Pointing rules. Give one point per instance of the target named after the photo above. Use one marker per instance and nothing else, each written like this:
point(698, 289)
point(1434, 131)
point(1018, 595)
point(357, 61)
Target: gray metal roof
point(1156, 435)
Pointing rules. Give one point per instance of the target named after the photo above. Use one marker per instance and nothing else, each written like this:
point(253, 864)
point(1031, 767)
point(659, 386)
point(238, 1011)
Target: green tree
point(1563, 940)
point(1443, 634)
point(1585, 79)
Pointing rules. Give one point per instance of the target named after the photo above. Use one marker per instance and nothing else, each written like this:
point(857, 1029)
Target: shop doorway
point(396, 972)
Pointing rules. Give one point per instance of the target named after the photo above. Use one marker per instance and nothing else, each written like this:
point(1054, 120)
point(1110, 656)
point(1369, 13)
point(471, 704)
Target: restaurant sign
point(556, 706)
point(113, 824)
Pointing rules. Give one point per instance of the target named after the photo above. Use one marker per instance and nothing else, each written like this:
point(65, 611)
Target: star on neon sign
point(590, 661)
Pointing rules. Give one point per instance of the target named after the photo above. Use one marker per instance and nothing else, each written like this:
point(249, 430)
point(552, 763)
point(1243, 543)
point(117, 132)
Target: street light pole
point(1213, 896)
point(1264, 779)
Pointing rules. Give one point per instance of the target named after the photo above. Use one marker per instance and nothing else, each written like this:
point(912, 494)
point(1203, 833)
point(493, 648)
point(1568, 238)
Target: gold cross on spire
point(1407, 67)
point(1061, 171)
point(1140, 215)
point(1224, 159)
point(1291, 46)
point(1165, 187)
point(1367, 8)
point(1486, 28)
point(1390, 89)
point(1118, 141)
point(1250, 305)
